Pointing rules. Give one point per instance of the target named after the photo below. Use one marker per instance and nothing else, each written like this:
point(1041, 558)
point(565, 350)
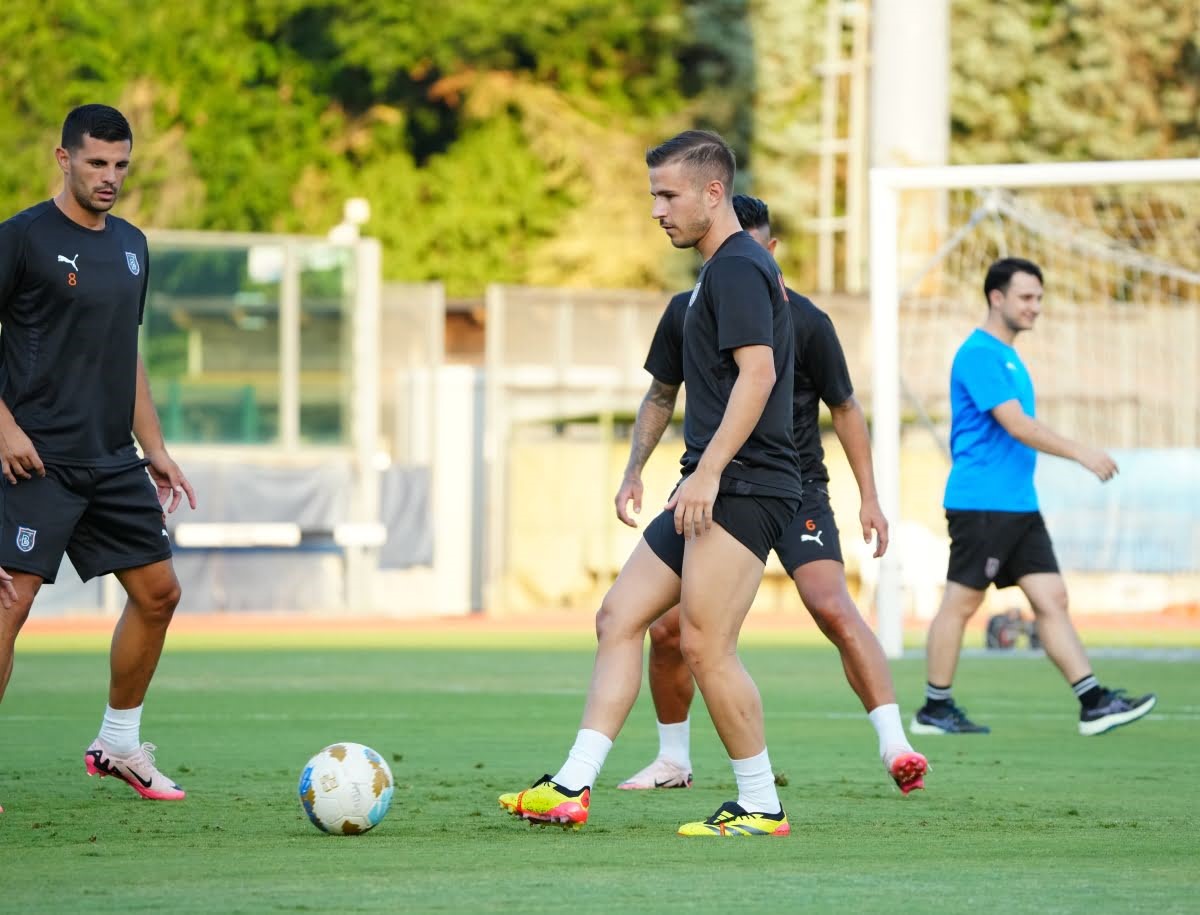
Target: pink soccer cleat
point(907, 768)
point(136, 768)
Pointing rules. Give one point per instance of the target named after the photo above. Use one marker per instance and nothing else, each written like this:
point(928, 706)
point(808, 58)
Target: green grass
point(1031, 818)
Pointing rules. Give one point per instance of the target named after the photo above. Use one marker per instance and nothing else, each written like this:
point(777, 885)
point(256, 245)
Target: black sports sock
point(937, 697)
point(1088, 691)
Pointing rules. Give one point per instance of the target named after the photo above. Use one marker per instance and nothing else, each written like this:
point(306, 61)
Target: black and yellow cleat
point(731, 821)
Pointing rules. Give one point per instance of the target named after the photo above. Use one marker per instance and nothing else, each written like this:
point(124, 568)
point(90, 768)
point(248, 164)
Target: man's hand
point(172, 485)
point(872, 520)
point(1098, 463)
point(18, 457)
point(692, 503)
point(631, 489)
point(8, 594)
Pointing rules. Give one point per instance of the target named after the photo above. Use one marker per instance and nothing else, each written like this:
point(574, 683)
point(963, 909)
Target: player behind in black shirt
point(72, 388)
point(809, 549)
point(740, 488)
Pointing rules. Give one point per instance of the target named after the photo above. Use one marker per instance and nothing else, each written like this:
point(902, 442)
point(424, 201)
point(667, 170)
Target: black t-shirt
point(821, 374)
point(820, 370)
point(71, 301)
point(740, 301)
point(665, 359)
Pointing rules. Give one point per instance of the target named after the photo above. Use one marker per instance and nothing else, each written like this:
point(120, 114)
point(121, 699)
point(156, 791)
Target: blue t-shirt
point(992, 470)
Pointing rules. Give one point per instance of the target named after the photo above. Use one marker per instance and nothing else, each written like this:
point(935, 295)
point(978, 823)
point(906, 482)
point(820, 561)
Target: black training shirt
point(71, 300)
point(820, 371)
point(740, 301)
point(821, 374)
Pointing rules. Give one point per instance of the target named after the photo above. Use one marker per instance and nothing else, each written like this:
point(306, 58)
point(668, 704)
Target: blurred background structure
point(419, 403)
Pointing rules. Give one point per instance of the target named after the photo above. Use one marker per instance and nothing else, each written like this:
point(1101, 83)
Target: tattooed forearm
point(654, 415)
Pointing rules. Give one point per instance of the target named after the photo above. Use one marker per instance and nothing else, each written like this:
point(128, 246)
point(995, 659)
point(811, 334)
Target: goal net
point(1114, 359)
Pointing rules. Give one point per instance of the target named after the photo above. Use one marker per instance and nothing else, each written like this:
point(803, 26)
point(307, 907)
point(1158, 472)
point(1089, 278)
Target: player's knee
point(691, 647)
point(836, 617)
point(160, 603)
point(664, 636)
point(961, 603)
point(14, 617)
point(699, 651)
point(1053, 602)
point(612, 620)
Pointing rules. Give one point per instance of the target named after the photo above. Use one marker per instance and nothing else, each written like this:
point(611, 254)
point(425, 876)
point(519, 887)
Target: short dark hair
point(704, 150)
point(1000, 274)
point(752, 213)
point(97, 121)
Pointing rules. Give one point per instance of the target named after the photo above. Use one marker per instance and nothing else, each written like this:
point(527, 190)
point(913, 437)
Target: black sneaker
point(945, 718)
point(1114, 710)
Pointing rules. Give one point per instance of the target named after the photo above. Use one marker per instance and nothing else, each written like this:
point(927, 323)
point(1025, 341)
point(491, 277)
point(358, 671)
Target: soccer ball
point(346, 789)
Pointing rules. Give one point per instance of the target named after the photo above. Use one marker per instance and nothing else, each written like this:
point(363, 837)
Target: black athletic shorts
point(753, 521)
point(813, 533)
point(105, 520)
point(997, 548)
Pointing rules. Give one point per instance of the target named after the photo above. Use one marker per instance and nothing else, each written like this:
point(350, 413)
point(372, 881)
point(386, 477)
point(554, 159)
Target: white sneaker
point(662, 773)
point(137, 769)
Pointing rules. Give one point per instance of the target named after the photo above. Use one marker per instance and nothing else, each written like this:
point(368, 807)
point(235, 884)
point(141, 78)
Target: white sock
point(121, 729)
point(674, 743)
point(886, 719)
point(756, 784)
point(585, 760)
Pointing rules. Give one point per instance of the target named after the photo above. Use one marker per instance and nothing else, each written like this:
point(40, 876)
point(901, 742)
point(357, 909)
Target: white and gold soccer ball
point(346, 789)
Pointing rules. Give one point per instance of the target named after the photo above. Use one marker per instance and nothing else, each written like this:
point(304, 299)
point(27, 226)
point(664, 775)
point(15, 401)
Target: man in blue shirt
point(997, 535)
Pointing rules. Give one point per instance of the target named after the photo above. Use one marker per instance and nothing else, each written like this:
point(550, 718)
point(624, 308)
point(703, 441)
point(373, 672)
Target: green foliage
point(266, 116)
point(1092, 79)
point(503, 142)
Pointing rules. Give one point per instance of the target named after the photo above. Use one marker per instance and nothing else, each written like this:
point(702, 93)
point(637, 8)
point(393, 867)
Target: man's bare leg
point(646, 588)
point(673, 689)
point(12, 618)
point(940, 714)
point(152, 595)
point(720, 578)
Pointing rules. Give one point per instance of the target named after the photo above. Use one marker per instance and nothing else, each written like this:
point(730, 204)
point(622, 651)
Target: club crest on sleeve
point(25, 538)
point(131, 259)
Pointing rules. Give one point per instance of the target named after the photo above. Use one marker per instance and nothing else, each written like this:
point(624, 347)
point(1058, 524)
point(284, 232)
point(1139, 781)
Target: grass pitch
point(1031, 818)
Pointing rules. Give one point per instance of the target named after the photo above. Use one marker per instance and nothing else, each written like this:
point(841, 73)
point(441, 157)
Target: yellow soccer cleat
point(546, 802)
point(731, 821)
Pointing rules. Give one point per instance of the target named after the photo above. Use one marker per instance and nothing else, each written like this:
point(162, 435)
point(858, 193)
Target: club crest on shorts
point(25, 538)
point(991, 567)
point(131, 259)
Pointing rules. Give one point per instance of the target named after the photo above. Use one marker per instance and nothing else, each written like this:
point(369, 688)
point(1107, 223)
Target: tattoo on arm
point(654, 415)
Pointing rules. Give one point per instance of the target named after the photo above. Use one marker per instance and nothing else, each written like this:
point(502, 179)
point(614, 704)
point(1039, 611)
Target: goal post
point(1115, 234)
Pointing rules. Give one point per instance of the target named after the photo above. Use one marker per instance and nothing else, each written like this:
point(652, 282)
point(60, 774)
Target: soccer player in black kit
point(809, 549)
point(740, 487)
point(72, 390)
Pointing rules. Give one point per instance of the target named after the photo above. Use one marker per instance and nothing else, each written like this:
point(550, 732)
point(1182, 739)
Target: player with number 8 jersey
point(73, 395)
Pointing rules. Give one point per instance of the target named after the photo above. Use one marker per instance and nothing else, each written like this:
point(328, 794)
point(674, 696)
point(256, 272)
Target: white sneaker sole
point(929, 730)
point(1108, 722)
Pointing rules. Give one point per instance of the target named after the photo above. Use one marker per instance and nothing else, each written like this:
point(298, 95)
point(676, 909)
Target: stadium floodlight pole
point(885, 183)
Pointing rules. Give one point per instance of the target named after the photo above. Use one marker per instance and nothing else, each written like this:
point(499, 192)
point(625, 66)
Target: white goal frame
point(885, 187)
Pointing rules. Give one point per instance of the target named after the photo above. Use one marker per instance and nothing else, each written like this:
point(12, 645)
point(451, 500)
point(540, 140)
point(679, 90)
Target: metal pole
point(495, 450)
point(362, 560)
point(885, 399)
point(856, 153)
point(289, 351)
